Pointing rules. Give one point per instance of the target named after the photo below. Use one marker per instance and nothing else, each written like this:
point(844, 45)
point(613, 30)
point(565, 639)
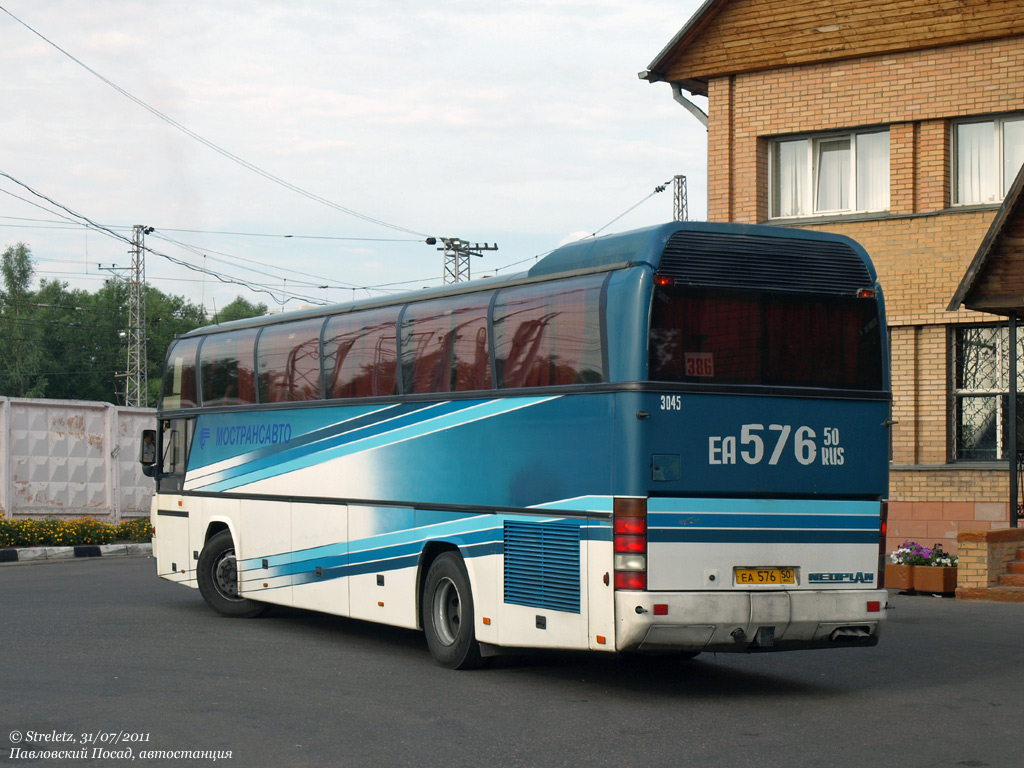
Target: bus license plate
point(765, 576)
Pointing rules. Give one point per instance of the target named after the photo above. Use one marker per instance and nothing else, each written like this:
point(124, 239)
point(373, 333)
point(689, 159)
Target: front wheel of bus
point(447, 612)
point(217, 574)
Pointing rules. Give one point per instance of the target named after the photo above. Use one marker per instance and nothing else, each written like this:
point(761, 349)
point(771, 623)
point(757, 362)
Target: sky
point(301, 152)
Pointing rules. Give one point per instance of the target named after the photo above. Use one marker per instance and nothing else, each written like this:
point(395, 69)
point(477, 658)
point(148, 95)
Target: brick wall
point(921, 250)
point(984, 556)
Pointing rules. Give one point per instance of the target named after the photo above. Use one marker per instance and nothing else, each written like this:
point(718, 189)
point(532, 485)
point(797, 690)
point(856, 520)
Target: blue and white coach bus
point(669, 440)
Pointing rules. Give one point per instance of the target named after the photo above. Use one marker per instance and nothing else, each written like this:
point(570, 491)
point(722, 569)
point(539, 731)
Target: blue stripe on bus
point(762, 521)
point(356, 417)
point(341, 433)
point(408, 426)
point(763, 506)
point(751, 521)
point(759, 536)
point(397, 550)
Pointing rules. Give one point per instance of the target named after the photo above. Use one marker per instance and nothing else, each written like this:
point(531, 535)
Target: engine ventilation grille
point(542, 565)
point(763, 263)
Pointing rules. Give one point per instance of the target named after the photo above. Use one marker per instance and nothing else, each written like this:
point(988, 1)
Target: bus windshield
point(770, 339)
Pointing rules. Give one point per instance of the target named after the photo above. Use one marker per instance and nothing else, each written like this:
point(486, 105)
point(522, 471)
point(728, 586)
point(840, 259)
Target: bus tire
point(217, 575)
point(447, 614)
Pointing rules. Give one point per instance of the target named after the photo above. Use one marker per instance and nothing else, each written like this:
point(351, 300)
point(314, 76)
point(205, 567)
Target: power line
point(228, 279)
point(658, 189)
point(255, 287)
point(209, 144)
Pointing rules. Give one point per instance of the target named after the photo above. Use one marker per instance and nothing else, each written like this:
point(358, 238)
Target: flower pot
point(899, 576)
point(933, 578)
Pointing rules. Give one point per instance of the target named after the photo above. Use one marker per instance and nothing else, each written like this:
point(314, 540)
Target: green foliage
point(51, 532)
point(60, 343)
point(20, 334)
point(239, 309)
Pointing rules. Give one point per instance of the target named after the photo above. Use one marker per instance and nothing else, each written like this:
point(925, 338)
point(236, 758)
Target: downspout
point(689, 106)
point(1012, 447)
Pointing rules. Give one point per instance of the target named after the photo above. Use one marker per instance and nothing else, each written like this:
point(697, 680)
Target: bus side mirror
point(147, 453)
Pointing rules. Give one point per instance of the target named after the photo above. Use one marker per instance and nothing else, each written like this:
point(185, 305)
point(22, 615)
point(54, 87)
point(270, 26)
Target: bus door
point(170, 516)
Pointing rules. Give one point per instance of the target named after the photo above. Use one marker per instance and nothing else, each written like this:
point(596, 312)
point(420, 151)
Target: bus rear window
point(769, 339)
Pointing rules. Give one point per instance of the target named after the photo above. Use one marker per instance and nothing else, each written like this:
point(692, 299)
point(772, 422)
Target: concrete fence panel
point(70, 458)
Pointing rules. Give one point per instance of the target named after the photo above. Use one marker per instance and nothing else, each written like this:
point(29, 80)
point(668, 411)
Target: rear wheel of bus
point(447, 614)
point(217, 575)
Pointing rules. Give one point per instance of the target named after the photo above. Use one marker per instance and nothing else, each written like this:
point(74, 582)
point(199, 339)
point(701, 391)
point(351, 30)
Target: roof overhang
point(994, 281)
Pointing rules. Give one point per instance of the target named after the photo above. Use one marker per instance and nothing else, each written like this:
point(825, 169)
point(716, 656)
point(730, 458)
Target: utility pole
point(680, 205)
point(456, 258)
point(137, 378)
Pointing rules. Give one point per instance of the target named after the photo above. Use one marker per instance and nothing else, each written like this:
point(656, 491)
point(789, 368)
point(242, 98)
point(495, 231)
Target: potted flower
point(899, 571)
point(937, 573)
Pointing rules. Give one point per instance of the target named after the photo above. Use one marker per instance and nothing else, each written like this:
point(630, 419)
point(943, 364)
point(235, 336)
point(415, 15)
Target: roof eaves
point(655, 72)
point(988, 243)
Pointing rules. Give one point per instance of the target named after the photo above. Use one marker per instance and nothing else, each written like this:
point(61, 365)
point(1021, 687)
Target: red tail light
point(629, 543)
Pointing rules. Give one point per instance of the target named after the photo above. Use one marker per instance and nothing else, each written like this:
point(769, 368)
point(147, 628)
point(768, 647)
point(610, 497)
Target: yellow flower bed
point(51, 532)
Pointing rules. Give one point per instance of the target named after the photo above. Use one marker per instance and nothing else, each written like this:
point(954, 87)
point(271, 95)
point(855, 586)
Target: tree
point(70, 344)
point(239, 309)
point(73, 334)
point(20, 352)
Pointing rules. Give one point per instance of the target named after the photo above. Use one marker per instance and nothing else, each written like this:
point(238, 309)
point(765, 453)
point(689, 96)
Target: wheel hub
point(447, 611)
point(225, 576)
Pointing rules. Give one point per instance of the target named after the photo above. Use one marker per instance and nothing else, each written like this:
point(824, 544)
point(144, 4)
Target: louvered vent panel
point(542, 566)
point(763, 263)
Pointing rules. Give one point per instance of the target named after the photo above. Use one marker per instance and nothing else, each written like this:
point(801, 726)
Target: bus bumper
point(742, 622)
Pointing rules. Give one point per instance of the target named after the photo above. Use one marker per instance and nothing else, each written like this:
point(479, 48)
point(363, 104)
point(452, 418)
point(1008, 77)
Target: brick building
point(901, 125)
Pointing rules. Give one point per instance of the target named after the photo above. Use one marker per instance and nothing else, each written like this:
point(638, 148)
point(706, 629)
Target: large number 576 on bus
point(671, 440)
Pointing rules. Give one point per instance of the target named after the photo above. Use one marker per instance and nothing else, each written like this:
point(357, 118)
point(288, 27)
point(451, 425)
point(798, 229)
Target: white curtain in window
point(789, 168)
point(1013, 151)
point(976, 163)
point(833, 187)
point(873, 171)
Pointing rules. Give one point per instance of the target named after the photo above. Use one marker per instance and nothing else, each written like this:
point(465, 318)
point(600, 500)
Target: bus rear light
point(629, 543)
point(629, 580)
point(633, 526)
point(874, 606)
point(866, 293)
point(626, 562)
point(660, 609)
point(664, 281)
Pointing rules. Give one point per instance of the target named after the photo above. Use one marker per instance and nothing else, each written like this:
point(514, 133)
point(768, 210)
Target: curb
point(35, 554)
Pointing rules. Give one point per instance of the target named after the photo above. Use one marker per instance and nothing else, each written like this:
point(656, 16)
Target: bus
point(670, 440)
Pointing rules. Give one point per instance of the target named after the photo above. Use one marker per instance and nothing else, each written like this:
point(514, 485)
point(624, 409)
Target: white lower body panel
point(743, 621)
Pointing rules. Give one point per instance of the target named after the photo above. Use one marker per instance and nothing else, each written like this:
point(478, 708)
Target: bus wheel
point(217, 574)
point(447, 608)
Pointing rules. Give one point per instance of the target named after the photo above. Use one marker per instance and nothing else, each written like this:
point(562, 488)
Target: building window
point(981, 392)
point(832, 173)
point(988, 155)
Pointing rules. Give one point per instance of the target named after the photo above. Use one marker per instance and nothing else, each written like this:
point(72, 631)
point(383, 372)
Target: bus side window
point(147, 452)
point(360, 354)
point(545, 338)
